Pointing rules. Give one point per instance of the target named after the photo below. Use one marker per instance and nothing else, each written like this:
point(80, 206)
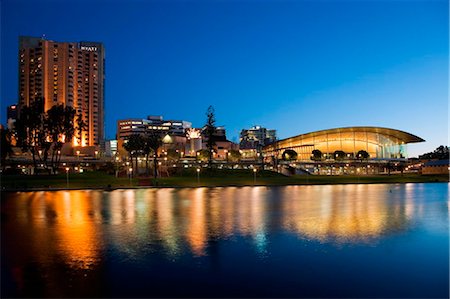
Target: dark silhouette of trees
point(210, 129)
point(339, 155)
point(43, 134)
point(59, 122)
point(316, 155)
point(203, 155)
point(153, 141)
point(30, 129)
point(173, 154)
point(5, 145)
point(134, 147)
point(289, 155)
point(362, 155)
point(234, 155)
point(440, 153)
point(81, 126)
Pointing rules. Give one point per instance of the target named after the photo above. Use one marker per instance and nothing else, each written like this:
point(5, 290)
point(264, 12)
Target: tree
point(234, 155)
point(44, 133)
point(134, 146)
point(59, 122)
point(316, 155)
point(81, 126)
point(173, 154)
point(5, 145)
point(289, 155)
point(203, 155)
point(440, 153)
point(362, 155)
point(153, 141)
point(339, 155)
point(210, 129)
point(29, 128)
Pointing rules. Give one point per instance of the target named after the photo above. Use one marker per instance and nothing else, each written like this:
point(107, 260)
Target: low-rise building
point(175, 130)
point(436, 167)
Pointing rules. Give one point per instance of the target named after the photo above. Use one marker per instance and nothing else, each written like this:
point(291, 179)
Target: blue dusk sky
point(293, 66)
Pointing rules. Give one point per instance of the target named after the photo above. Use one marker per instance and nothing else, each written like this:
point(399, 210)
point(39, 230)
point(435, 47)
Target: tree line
point(317, 155)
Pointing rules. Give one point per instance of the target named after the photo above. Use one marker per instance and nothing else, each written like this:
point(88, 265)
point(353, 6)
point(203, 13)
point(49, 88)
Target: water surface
point(295, 241)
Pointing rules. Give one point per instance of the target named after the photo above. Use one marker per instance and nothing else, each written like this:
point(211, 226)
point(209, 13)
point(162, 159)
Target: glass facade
point(380, 143)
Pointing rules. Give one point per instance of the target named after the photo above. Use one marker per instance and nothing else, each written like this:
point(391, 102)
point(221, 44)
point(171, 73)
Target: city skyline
point(295, 66)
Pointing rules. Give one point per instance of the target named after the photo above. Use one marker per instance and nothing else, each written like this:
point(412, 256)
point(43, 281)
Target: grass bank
point(189, 178)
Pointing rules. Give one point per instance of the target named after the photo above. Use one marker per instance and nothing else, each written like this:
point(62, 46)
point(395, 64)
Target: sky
point(294, 66)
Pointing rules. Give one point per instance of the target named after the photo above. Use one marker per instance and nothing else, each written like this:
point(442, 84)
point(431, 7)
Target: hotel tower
point(69, 73)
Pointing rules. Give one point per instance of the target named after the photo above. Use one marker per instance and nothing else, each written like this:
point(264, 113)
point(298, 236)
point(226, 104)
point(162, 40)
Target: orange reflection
point(196, 228)
point(361, 216)
point(75, 226)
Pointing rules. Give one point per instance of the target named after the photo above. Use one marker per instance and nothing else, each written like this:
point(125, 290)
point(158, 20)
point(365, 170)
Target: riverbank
point(101, 180)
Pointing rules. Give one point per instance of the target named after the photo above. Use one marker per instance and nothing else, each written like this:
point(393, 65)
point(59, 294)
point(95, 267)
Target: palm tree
point(81, 126)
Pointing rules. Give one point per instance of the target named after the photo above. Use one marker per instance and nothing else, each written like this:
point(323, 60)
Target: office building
point(256, 138)
point(174, 131)
point(68, 73)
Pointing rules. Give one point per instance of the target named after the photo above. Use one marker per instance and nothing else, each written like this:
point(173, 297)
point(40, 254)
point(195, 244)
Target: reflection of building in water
point(165, 226)
point(351, 213)
point(196, 233)
point(77, 217)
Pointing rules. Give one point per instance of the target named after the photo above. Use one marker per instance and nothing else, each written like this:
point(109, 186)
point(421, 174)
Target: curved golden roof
point(401, 135)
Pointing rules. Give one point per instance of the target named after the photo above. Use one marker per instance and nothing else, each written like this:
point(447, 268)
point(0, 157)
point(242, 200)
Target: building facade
point(174, 131)
point(68, 73)
point(256, 137)
point(379, 143)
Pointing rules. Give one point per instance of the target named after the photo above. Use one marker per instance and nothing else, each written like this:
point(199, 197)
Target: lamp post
point(67, 176)
point(130, 173)
point(254, 176)
point(198, 176)
point(96, 152)
point(78, 155)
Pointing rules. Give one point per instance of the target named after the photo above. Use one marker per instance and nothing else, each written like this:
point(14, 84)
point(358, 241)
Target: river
point(380, 240)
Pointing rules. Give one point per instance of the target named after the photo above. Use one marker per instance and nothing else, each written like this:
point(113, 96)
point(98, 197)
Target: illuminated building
point(68, 73)
point(221, 144)
point(256, 137)
point(436, 167)
point(175, 131)
point(195, 141)
point(380, 143)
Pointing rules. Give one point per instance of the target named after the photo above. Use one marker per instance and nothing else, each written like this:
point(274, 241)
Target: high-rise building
point(69, 73)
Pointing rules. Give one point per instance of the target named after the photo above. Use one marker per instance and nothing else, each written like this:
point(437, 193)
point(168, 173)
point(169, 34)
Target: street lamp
point(78, 155)
point(96, 152)
point(198, 176)
point(130, 173)
point(117, 167)
point(67, 176)
point(254, 175)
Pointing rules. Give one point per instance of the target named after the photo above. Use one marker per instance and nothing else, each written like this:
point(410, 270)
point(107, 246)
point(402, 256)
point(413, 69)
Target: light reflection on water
point(78, 228)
